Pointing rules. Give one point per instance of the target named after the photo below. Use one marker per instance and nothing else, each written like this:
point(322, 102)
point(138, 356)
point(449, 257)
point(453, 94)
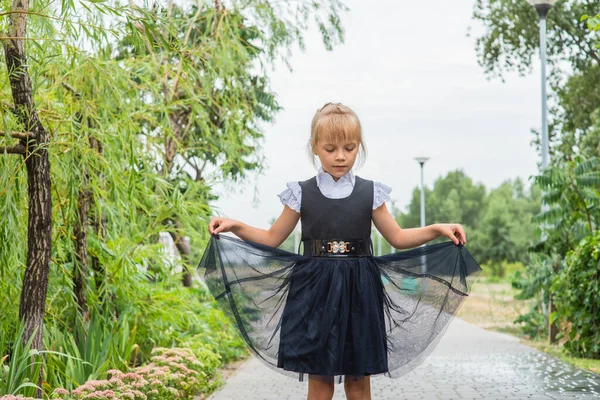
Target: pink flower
point(137, 393)
point(132, 375)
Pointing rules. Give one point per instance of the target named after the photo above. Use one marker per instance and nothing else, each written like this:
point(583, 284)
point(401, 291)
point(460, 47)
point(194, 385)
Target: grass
point(491, 305)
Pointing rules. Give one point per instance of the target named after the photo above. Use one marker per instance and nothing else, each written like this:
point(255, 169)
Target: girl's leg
point(358, 389)
point(320, 387)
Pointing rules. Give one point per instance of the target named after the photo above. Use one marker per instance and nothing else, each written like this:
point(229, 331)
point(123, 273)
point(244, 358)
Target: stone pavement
point(468, 363)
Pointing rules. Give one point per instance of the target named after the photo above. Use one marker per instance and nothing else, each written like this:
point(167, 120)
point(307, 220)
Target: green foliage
point(20, 374)
point(533, 324)
point(172, 373)
point(577, 290)
point(511, 36)
point(497, 223)
point(536, 276)
point(571, 192)
point(510, 42)
point(146, 109)
point(593, 23)
point(505, 230)
point(571, 183)
point(454, 198)
point(91, 351)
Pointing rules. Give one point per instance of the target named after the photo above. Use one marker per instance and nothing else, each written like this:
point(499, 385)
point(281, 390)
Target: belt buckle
point(338, 247)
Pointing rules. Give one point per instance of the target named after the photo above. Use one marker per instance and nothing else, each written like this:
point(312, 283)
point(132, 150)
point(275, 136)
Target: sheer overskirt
point(338, 319)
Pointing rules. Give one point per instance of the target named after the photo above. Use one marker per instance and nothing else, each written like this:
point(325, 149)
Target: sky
point(409, 71)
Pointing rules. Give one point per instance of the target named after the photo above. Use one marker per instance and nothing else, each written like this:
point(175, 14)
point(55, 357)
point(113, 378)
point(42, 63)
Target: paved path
point(497, 367)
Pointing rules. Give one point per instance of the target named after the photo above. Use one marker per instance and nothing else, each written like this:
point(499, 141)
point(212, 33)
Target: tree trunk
point(98, 221)
point(39, 226)
point(177, 119)
point(80, 267)
point(183, 246)
point(553, 329)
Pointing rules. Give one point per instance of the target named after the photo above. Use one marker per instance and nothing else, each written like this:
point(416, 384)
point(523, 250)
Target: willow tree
point(212, 92)
point(108, 146)
point(33, 139)
point(204, 101)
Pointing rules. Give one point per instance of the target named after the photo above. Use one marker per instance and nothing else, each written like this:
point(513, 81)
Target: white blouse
point(292, 196)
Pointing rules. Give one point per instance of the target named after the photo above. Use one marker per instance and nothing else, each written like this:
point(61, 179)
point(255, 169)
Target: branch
point(25, 38)
point(193, 165)
point(8, 106)
point(593, 53)
point(199, 176)
point(72, 90)
point(17, 149)
point(185, 42)
point(19, 135)
point(56, 19)
point(581, 43)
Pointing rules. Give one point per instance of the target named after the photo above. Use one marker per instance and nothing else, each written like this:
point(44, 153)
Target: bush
point(173, 373)
point(20, 369)
point(576, 291)
point(533, 324)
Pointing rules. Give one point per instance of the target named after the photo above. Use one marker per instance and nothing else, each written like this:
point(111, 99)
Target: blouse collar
point(323, 176)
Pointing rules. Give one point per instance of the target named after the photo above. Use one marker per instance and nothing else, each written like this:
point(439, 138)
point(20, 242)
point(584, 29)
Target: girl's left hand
point(455, 232)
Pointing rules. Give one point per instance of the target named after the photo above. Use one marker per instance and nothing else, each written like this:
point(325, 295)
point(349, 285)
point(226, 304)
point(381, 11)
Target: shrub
point(576, 292)
point(173, 373)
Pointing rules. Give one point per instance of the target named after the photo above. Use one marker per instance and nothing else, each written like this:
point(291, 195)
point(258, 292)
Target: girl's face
point(337, 158)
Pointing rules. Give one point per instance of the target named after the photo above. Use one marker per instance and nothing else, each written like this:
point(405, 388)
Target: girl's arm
point(274, 236)
point(413, 237)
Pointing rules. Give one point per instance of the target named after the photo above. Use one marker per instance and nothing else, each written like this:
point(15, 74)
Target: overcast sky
point(409, 71)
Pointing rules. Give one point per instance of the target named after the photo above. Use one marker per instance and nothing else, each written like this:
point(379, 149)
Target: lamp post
point(421, 161)
point(542, 7)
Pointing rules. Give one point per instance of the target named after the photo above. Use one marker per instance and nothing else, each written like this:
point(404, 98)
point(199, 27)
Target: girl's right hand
point(219, 224)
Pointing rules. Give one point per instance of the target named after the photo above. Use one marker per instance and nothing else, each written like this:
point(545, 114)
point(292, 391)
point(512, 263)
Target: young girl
point(336, 312)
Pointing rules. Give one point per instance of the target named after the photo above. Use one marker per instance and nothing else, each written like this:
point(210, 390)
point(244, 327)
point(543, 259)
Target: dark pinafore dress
point(336, 312)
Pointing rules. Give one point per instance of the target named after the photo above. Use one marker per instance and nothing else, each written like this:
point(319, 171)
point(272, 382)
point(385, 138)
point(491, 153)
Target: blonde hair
point(336, 122)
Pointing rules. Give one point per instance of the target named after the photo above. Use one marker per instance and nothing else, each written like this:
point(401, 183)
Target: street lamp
point(421, 161)
point(542, 7)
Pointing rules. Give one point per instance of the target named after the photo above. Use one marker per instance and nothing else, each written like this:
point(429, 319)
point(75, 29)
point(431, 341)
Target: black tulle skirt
point(338, 319)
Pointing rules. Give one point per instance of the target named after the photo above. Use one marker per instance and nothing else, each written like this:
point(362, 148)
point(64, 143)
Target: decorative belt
point(337, 248)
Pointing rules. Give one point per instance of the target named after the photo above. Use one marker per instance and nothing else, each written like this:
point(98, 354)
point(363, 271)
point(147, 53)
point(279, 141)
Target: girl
point(336, 312)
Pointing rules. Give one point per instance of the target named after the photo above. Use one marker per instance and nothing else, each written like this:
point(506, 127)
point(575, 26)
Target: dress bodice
point(348, 218)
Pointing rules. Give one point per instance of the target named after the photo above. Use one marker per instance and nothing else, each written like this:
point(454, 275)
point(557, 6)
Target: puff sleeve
point(292, 196)
point(381, 194)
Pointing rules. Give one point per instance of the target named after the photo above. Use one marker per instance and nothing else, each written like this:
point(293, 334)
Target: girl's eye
point(350, 148)
point(329, 150)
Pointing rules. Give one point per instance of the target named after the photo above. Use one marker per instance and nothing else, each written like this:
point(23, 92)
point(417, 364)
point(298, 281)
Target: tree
point(505, 231)
point(508, 45)
point(82, 129)
point(453, 198)
point(510, 41)
point(33, 142)
point(498, 224)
